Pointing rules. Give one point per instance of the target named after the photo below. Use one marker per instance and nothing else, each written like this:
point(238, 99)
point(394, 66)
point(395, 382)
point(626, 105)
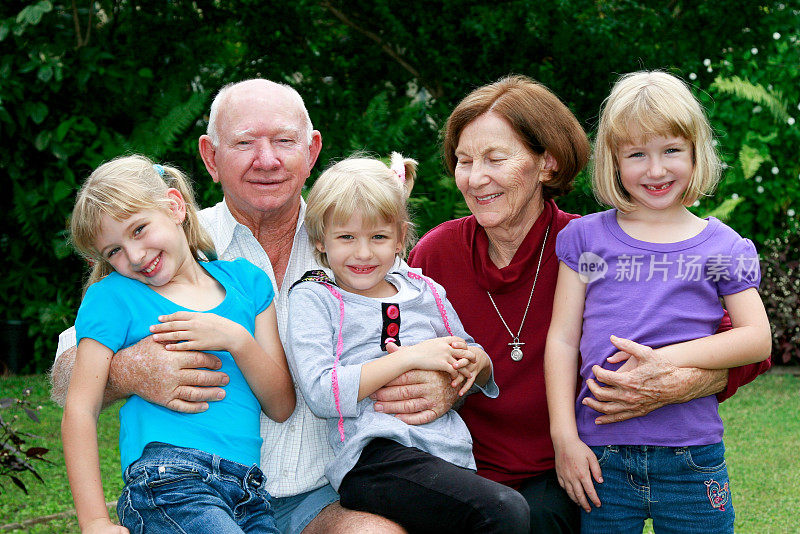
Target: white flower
point(714, 142)
point(709, 69)
point(790, 212)
point(696, 203)
point(798, 106)
point(760, 189)
point(775, 170)
point(706, 62)
point(725, 165)
point(735, 196)
point(790, 121)
point(754, 50)
point(758, 179)
point(757, 109)
point(776, 36)
point(693, 76)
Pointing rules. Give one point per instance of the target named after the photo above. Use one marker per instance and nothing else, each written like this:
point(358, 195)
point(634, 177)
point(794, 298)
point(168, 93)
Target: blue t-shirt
point(656, 294)
point(118, 312)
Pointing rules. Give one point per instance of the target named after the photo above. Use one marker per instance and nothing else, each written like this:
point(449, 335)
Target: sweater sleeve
point(312, 332)
point(490, 389)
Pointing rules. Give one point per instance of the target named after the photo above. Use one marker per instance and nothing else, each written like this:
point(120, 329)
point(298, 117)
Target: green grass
point(54, 495)
point(762, 430)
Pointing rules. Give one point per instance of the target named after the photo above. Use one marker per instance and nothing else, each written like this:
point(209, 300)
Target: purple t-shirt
point(656, 294)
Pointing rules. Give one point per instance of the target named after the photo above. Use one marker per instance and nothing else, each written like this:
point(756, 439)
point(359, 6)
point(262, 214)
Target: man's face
point(263, 157)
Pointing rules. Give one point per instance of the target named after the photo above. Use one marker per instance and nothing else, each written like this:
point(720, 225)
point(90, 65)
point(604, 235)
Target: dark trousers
point(424, 493)
point(552, 511)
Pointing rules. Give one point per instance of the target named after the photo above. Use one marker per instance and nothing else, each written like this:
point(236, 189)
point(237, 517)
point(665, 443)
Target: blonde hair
point(125, 186)
point(652, 104)
point(365, 185)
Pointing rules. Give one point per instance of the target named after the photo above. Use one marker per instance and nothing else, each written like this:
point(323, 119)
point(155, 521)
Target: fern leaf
point(756, 93)
point(750, 159)
point(724, 210)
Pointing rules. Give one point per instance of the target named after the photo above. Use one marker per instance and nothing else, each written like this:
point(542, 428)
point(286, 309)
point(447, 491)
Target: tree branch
point(391, 52)
point(78, 37)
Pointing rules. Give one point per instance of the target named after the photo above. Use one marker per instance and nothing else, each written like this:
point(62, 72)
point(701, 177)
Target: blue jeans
point(683, 489)
point(187, 491)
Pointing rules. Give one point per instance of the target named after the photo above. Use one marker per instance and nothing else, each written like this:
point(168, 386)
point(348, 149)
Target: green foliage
point(780, 290)
point(752, 104)
point(754, 93)
point(85, 82)
point(15, 454)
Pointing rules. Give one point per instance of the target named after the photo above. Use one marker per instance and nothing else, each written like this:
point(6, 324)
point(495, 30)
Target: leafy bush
point(14, 458)
point(780, 289)
point(83, 82)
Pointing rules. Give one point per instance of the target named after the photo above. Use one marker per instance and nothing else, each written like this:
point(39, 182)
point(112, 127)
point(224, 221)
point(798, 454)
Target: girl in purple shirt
point(652, 272)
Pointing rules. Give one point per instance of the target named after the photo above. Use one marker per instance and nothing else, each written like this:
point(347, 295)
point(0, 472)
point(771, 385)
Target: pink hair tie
point(398, 166)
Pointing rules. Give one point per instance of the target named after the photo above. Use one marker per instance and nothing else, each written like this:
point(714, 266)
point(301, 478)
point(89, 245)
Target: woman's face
point(498, 175)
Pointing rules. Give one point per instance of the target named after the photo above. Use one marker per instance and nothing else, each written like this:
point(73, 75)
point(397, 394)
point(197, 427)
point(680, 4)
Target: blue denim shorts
point(683, 489)
point(179, 490)
point(294, 513)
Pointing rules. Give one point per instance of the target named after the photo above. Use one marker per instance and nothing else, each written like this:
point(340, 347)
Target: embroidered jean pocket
point(705, 458)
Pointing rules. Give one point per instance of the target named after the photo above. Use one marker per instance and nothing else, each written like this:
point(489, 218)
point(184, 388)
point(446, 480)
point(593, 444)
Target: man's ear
point(314, 148)
point(208, 152)
point(177, 205)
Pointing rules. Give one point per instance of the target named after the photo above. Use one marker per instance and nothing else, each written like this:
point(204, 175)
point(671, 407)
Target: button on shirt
point(295, 452)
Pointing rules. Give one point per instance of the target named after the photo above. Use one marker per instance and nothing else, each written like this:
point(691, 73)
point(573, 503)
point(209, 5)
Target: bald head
point(270, 92)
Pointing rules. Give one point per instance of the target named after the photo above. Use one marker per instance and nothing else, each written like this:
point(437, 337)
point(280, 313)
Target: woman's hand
point(576, 464)
point(185, 330)
point(653, 382)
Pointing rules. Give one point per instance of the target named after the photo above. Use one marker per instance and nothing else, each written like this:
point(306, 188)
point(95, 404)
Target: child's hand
point(437, 354)
point(576, 464)
point(103, 526)
point(469, 370)
point(185, 330)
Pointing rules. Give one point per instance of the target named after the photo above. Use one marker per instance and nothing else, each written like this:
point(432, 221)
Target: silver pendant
point(516, 354)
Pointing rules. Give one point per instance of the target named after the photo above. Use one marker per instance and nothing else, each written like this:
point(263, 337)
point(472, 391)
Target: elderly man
point(260, 148)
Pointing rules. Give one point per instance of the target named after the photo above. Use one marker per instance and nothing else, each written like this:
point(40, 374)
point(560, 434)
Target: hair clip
point(398, 166)
point(159, 169)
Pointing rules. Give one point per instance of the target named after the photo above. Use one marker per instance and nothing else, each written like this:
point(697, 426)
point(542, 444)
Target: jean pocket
point(705, 458)
point(165, 475)
point(128, 515)
point(603, 453)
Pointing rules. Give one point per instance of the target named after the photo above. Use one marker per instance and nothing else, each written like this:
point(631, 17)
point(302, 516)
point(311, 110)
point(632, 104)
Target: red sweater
point(511, 433)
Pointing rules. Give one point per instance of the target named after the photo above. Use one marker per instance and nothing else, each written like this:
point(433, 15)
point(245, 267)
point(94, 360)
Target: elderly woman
point(512, 147)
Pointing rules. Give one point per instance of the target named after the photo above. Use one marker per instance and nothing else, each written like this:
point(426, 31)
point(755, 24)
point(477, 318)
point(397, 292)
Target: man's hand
point(417, 397)
point(174, 379)
point(653, 382)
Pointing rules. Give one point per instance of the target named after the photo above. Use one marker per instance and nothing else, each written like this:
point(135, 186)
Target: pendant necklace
point(516, 351)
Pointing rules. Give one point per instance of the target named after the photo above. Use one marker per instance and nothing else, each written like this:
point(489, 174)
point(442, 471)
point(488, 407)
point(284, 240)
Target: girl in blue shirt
point(136, 223)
